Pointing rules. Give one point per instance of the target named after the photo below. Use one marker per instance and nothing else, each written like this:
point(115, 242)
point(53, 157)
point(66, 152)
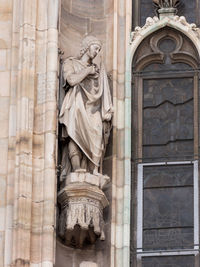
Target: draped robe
point(85, 108)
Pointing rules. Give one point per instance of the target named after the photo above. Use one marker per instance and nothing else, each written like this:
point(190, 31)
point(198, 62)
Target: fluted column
point(30, 146)
point(121, 187)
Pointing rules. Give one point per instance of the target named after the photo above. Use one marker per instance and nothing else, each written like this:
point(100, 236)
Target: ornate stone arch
point(153, 25)
point(136, 37)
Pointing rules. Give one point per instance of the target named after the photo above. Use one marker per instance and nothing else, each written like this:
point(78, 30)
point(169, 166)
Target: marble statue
point(86, 111)
point(85, 117)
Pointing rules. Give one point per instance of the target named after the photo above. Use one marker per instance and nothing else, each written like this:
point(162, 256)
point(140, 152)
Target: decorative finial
point(166, 8)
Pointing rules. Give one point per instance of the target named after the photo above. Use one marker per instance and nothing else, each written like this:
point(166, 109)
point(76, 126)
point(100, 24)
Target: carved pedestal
point(166, 12)
point(82, 202)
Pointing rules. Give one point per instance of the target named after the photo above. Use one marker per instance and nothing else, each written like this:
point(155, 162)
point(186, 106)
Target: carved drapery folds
point(85, 120)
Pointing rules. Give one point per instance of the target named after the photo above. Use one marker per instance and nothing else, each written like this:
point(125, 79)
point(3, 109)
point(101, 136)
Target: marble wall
point(79, 18)
point(6, 130)
point(121, 178)
point(28, 121)
point(28, 74)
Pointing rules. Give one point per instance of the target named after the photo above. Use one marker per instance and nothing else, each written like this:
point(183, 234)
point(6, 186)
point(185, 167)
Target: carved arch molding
point(152, 49)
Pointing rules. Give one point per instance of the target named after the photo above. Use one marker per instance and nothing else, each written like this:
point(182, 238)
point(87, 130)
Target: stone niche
point(82, 202)
point(85, 120)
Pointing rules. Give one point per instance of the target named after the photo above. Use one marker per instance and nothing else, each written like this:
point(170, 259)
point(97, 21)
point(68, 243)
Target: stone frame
point(136, 37)
point(140, 216)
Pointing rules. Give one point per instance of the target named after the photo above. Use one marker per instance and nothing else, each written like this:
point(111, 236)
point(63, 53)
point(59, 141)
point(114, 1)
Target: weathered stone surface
point(83, 177)
point(82, 203)
point(78, 23)
point(88, 8)
point(88, 264)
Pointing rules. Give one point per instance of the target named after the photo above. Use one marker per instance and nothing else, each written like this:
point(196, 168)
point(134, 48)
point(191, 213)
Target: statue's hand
point(92, 70)
point(108, 117)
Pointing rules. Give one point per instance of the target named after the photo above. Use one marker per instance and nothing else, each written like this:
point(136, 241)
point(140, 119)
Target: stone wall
point(28, 123)
point(28, 74)
point(6, 130)
point(78, 18)
point(121, 178)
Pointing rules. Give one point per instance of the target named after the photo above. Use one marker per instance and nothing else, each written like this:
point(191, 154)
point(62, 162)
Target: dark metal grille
point(167, 218)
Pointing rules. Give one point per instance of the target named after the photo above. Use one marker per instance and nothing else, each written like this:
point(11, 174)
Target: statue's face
point(93, 50)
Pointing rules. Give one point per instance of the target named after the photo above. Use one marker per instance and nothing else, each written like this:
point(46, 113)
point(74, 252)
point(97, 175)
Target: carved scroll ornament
point(174, 20)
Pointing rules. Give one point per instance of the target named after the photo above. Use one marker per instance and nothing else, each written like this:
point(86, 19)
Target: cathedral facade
point(99, 139)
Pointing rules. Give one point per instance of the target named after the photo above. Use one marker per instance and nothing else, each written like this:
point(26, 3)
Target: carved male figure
point(87, 108)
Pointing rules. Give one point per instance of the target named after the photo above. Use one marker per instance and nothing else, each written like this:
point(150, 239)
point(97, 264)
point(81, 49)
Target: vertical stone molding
point(7, 106)
point(121, 186)
point(29, 49)
point(121, 179)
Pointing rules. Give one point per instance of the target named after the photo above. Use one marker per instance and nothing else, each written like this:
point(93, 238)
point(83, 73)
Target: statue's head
point(91, 45)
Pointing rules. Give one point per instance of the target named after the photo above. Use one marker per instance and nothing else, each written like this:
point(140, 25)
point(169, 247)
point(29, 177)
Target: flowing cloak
point(85, 108)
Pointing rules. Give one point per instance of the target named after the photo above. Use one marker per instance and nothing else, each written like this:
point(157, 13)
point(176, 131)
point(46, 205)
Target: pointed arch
point(153, 26)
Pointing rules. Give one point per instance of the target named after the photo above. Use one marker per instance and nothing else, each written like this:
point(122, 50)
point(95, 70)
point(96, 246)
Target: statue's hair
point(87, 42)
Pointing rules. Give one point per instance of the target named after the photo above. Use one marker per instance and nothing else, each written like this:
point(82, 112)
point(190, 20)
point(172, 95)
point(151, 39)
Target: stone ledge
point(84, 177)
point(80, 190)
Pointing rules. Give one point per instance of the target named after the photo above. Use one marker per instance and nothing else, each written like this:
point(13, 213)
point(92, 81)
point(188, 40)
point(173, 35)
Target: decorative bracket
point(82, 202)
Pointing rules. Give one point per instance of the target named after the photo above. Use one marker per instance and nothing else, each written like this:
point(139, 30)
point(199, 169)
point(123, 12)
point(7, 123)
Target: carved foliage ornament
point(152, 50)
point(166, 3)
point(151, 22)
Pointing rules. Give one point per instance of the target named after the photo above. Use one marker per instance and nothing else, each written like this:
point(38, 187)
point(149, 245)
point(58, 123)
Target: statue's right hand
point(92, 69)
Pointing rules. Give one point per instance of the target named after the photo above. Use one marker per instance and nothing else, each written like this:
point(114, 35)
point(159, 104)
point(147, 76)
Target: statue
point(86, 111)
point(85, 118)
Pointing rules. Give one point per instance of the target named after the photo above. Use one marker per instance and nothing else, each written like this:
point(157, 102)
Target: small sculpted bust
point(86, 111)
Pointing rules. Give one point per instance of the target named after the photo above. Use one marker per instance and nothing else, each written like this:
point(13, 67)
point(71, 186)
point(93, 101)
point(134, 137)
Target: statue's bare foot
point(95, 172)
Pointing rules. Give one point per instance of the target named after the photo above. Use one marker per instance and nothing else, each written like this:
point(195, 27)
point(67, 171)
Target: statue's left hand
point(108, 117)
point(94, 75)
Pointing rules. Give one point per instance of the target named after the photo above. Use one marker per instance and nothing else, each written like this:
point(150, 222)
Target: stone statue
point(86, 111)
point(85, 117)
